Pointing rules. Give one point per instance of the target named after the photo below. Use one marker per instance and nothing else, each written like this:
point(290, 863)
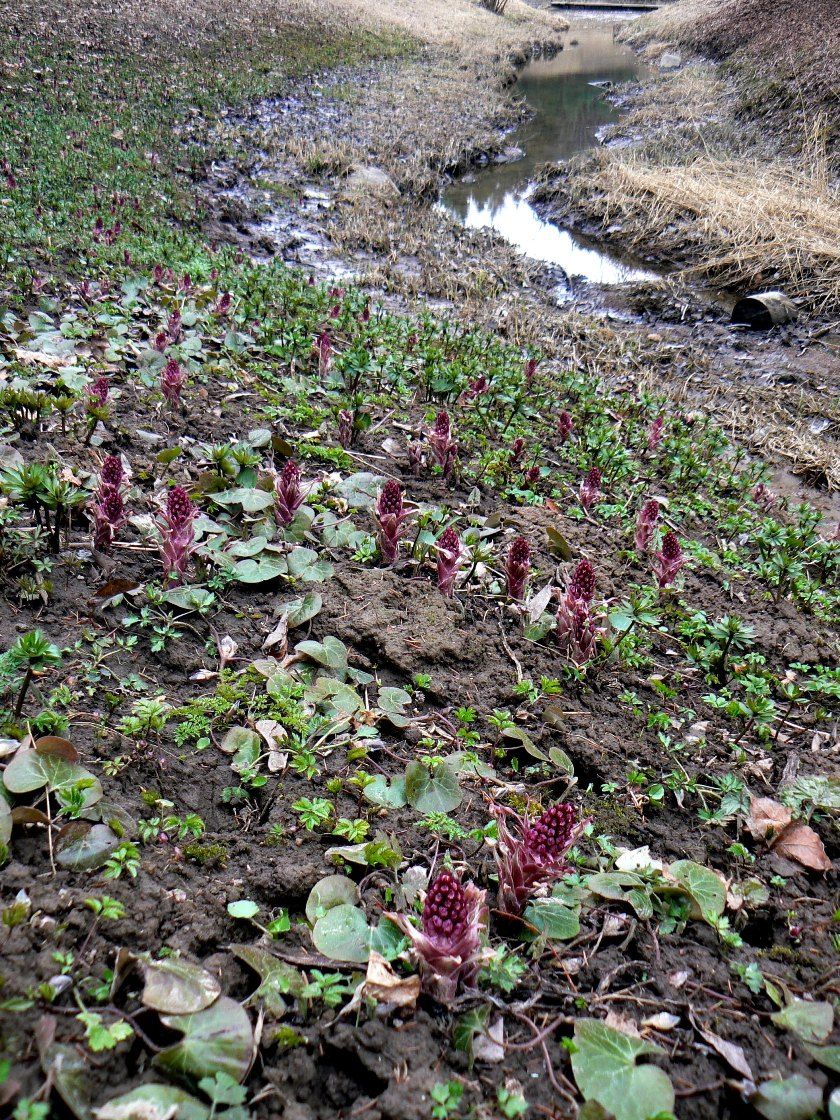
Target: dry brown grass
point(463, 25)
point(747, 223)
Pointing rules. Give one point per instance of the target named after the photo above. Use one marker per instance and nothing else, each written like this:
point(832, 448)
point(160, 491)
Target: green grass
point(84, 121)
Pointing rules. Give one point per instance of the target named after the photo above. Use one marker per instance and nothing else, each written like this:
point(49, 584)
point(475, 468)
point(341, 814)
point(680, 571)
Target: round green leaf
point(432, 789)
point(31, 770)
point(343, 935)
point(84, 847)
point(153, 1102)
point(605, 1070)
point(795, 1098)
point(553, 919)
point(216, 1040)
point(704, 887)
point(244, 908)
point(333, 890)
point(176, 986)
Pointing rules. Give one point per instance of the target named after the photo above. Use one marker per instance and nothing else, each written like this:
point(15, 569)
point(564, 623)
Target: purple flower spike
point(577, 626)
point(565, 427)
point(288, 496)
point(590, 489)
point(172, 380)
point(448, 944)
point(108, 518)
point(530, 857)
point(390, 514)
point(445, 448)
point(668, 560)
point(655, 433)
point(517, 569)
point(177, 535)
point(449, 552)
point(646, 525)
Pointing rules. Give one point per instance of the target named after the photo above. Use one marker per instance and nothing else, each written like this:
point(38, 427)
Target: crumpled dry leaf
point(661, 1021)
point(800, 843)
point(773, 823)
point(384, 986)
point(40, 358)
point(637, 859)
point(620, 1023)
point(278, 639)
point(538, 602)
point(489, 1046)
point(767, 818)
point(733, 1055)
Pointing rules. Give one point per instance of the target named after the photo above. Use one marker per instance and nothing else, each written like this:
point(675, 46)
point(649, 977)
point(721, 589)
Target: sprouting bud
point(517, 568)
point(655, 433)
point(590, 489)
point(445, 908)
point(443, 445)
point(288, 495)
point(582, 582)
point(111, 473)
point(565, 427)
point(390, 515)
point(646, 524)
point(449, 560)
point(668, 560)
point(172, 380)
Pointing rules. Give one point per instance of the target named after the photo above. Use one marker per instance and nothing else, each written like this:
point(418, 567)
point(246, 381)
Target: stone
point(670, 60)
point(365, 181)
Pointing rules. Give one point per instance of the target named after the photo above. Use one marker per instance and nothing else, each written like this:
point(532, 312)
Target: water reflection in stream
point(569, 109)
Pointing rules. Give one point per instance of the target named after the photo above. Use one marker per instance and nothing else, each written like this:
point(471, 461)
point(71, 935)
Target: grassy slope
point(94, 127)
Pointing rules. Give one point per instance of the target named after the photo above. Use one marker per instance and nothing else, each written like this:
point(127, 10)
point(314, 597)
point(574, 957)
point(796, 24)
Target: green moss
point(207, 855)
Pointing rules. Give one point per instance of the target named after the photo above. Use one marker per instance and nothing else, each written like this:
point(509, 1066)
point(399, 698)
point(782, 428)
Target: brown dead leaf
point(733, 1055)
point(384, 986)
point(767, 818)
point(277, 640)
point(800, 843)
point(39, 358)
point(490, 1046)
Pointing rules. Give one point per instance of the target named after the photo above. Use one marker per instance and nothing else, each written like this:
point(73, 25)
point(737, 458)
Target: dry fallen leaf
point(490, 1046)
point(730, 1053)
point(278, 638)
point(767, 818)
point(661, 1021)
point(800, 843)
point(382, 984)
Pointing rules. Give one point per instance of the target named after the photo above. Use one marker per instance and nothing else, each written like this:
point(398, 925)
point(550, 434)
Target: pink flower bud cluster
point(646, 524)
point(530, 856)
point(177, 534)
point(108, 507)
point(577, 628)
point(449, 554)
point(590, 489)
point(442, 443)
point(288, 495)
point(517, 569)
point(390, 514)
point(669, 560)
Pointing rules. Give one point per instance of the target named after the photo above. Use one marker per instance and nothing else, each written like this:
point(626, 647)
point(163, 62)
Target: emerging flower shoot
point(655, 433)
point(177, 535)
point(172, 380)
point(449, 553)
point(646, 524)
point(530, 857)
point(668, 560)
point(565, 427)
point(590, 489)
point(390, 515)
point(448, 943)
point(445, 448)
point(577, 626)
point(288, 496)
point(517, 569)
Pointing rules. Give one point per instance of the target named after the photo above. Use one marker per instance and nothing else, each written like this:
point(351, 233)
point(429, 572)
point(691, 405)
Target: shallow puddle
point(566, 94)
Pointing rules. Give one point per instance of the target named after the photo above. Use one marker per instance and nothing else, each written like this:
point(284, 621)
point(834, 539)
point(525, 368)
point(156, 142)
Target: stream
point(566, 94)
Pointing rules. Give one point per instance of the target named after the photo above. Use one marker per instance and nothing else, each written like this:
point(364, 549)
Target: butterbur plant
point(448, 944)
point(532, 856)
point(96, 404)
point(565, 427)
point(517, 569)
point(323, 349)
point(108, 518)
point(288, 495)
point(345, 428)
point(646, 524)
point(444, 447)
point(449, 553)
point(108, 507)
point(173, 377)
point(668, 560)
point(390, 514)
point(177, 535)
point(590, 489)
point(655, 433)
point(576, 624)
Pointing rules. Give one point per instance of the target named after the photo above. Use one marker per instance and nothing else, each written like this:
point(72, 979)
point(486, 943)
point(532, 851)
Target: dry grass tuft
point(745, 222)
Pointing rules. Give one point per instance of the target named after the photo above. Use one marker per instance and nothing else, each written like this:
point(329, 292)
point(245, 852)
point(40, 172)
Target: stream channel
point(567, 98)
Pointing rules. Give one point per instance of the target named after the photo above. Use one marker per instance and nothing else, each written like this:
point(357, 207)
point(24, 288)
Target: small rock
point(670, 60)
point(366, 181)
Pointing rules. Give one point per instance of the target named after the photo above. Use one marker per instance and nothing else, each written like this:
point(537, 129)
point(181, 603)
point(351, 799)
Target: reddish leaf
point(800, 843)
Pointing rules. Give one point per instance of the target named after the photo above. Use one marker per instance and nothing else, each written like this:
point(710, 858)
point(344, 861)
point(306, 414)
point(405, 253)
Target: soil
point(384, 1063)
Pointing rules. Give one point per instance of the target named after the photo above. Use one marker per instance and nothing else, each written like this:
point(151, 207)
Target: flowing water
point(567, 96)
